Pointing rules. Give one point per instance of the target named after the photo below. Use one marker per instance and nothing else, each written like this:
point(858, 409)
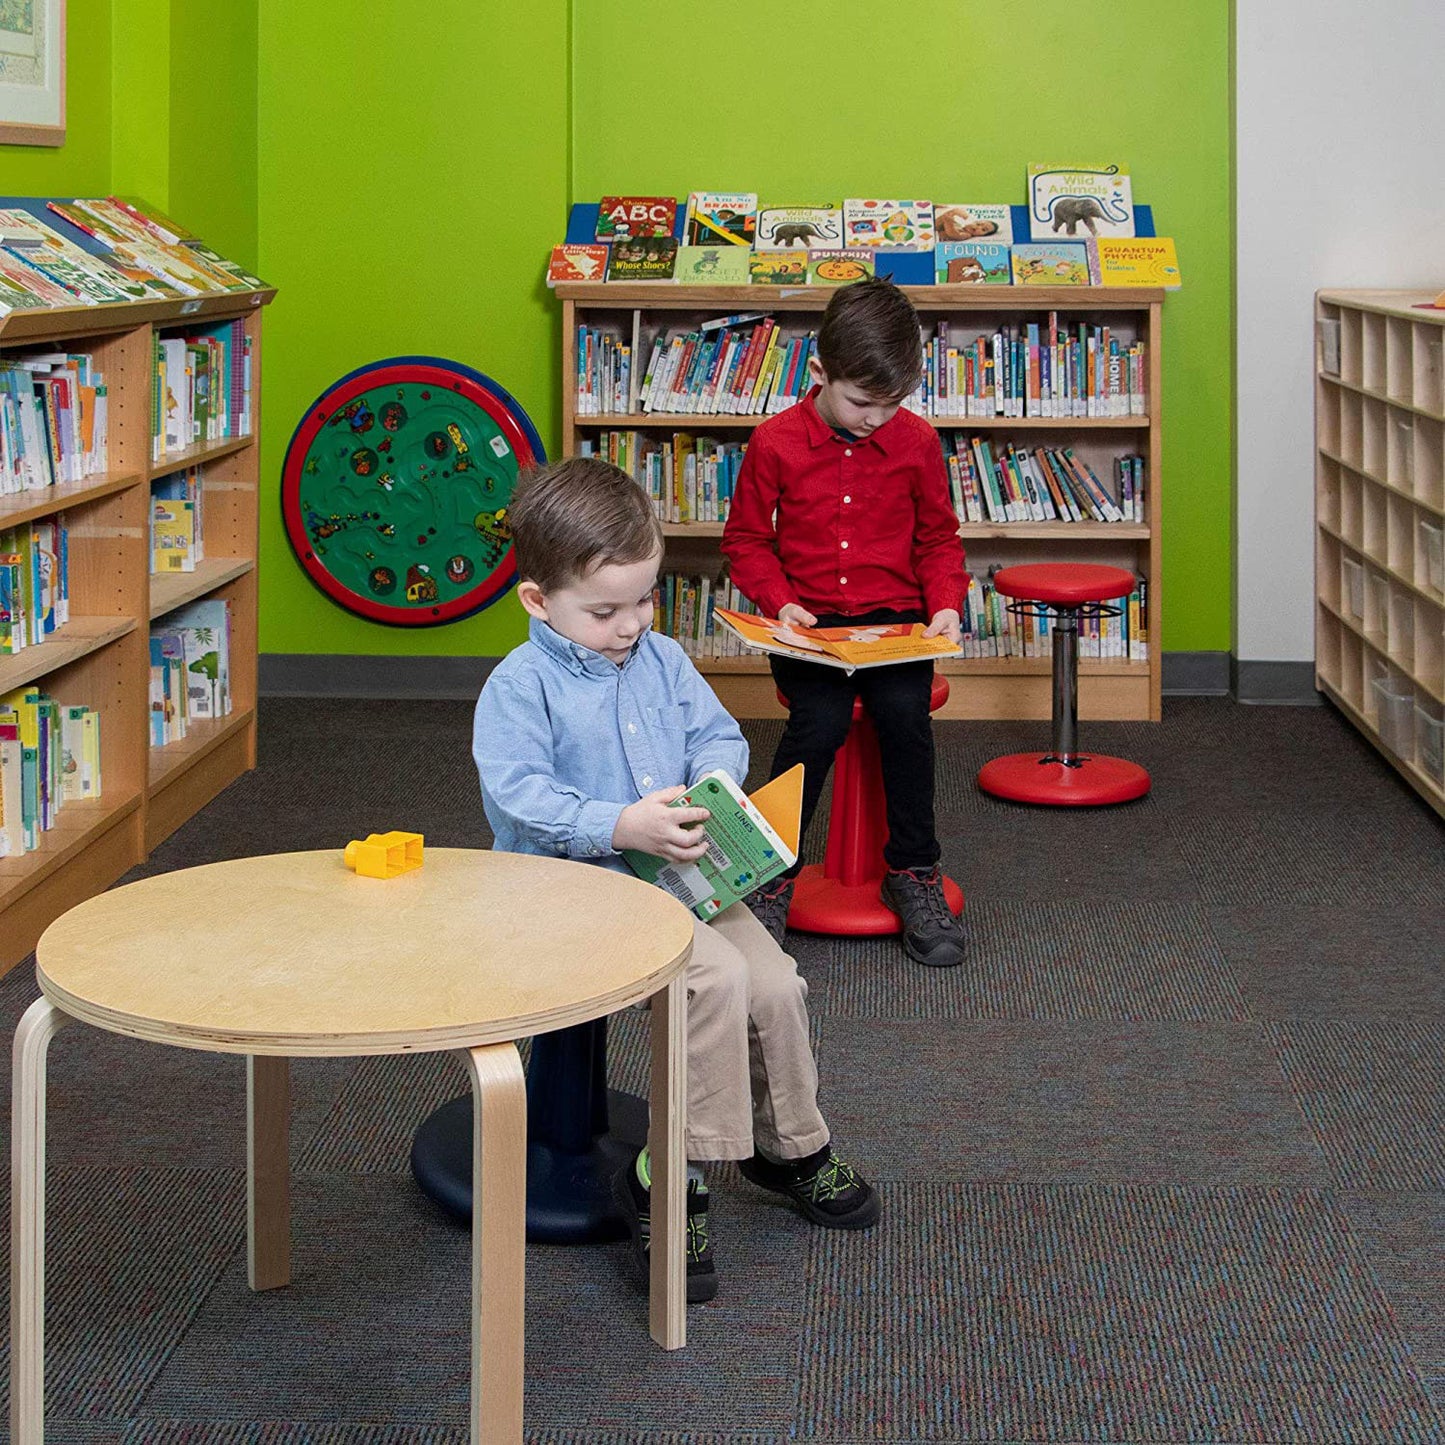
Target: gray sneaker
point(770, 905)
point(931, 934)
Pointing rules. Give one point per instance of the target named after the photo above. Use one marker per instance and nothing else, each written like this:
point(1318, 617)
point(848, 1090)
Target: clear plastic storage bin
point(1432, 560)
point(1395, 711)
point(1352, 588)
point(1430, 742)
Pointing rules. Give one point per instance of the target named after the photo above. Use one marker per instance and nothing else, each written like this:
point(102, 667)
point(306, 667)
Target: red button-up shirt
point(860, 525)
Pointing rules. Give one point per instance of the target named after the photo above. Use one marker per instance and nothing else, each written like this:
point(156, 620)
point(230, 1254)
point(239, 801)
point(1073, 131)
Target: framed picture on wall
point(32, 72)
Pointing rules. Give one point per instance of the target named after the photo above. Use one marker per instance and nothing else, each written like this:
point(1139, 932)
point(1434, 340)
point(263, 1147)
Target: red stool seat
point(841, 897)
point(1064, 777)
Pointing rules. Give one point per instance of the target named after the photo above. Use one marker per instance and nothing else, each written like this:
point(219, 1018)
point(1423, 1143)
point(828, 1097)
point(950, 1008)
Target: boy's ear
point(815, 370)
point(532, 599)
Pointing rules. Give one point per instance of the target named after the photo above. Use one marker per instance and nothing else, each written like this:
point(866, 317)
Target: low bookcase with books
point(1048, 404)
point(81, 602)
point(1379, 524)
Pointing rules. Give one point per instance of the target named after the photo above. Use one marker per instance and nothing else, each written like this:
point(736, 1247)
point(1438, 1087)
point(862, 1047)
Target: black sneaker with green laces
point(634, 1199)
point(822, 1187)
point(931, 934)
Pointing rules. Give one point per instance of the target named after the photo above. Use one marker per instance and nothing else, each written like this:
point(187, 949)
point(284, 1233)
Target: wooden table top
point(294, 954)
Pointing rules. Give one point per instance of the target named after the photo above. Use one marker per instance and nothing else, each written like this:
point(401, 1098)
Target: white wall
point(1340, 163)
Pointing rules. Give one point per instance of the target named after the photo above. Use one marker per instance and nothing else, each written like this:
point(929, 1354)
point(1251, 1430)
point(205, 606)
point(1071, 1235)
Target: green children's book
point(750, 841)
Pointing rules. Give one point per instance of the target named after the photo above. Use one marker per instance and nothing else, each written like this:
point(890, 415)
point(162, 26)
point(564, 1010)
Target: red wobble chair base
point(841, 897)
point(1092, 781)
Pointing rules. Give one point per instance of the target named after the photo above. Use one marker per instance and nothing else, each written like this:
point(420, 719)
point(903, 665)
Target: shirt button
point(562, 849)
point(844, 546)
point(597, 852)
point(632, 727)
point(847, 451)
point(847, 499)
point(842, 581)
point(647, 782)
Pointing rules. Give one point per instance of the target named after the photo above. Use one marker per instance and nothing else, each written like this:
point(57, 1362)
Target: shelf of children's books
point(167, 763)
point(1426, 786)
point(194, 456)
point(667, 295)
point(1379, 481)
point(1376, 395)
point(68, 643)
point(18, 507)
point(77, 825)
point(637, 421)
point(692, 529)
point(170, 590)
point(1055, 531)
point(56, 323)
point(955, 666)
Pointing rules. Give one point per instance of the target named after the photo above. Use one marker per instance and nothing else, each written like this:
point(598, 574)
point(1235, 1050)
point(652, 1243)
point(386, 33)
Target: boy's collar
point(819, 431)
point(582, 661)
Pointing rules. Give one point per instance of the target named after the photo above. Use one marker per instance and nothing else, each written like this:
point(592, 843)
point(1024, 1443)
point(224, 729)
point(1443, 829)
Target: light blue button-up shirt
point(564, 739)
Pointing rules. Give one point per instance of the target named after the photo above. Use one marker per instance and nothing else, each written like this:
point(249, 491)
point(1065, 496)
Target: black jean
point(820, 712)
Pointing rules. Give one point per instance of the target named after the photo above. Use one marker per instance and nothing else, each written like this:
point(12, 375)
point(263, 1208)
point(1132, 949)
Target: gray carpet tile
point(1157, 1103)
point(131, 1256)
point(68, 1431)
point(288, 1432)
point(986, 1313)
point(1300, 961)
point(1039, 960)
point(375, 1325)
point(1373, 1091)
point(1403, 1237)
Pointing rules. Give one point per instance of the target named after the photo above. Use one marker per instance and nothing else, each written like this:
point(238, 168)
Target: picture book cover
point(966, 222)
point(1063, 198)
point(888, 225)
point(577, 263)
point(627, 218)
point(173, 535)
point(17, 298)
point(712, 266)
point(850, 648)
point(972, 263)
point(1146, 261)
point(1052, 263)
point(806, 227)
point(720, 218)
point(27, 278)
point(206, 627)
point(750, 841)
point(649, 258)
point(778, 268)
point(841, 267)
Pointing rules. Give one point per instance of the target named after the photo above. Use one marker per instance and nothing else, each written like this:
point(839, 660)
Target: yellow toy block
point(384, 855)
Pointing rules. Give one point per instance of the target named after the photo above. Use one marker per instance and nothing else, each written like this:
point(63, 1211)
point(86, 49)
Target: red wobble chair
point(841, 896)
point(1063, 776)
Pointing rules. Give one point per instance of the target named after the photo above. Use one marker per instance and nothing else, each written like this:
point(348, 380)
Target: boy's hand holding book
point(650, 826)
point(946, 623)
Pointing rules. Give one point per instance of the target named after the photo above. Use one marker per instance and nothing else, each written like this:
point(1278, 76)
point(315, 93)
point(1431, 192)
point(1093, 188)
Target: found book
point(866, 645)
point(750, 841)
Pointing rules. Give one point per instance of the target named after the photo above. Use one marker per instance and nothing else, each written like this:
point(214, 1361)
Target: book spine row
point(176, 523)
point(53, 422)
point(991, 630)
point(49, 756)
point(684, 609)
point(1033, 369)
point(203, 388)
point(1002, 484)
point(604, 373)
point(190, 653)
point(736, 369)
point(687, 479)
point(34, 583)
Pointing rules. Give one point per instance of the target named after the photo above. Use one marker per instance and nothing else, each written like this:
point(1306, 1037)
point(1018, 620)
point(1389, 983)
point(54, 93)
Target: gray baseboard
point(297, 674)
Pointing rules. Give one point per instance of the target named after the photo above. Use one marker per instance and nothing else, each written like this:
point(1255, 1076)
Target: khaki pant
point(751, 1078)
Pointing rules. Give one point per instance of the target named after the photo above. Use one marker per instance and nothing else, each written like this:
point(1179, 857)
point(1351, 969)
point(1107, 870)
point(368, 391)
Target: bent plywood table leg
point(268, 1171)
point(499, 1222)
point(666, 1138)
point(42, 1021)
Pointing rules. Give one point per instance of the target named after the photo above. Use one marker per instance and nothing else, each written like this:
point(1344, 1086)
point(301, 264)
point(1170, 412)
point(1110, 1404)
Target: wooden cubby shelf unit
point(1379, 524)
point(101, 656)
point(981, 688)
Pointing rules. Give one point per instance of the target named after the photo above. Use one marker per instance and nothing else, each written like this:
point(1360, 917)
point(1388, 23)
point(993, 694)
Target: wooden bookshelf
point(1379, 523)
point(101, 657)
point(984, 688)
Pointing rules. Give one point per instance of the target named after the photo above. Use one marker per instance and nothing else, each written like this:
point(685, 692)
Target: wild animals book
point(650, 258)
point(888, 225)
point(626, 218)
point(840, 268)
point(778, 268)
point(966, 222)
point(750, 840)
point(971, 263)
point(577, 263)
point(1062, 198)
point(803, 227)
point(1056, 263)
point(712, 266)
point(1145, 261)
point(866, 645)
point(720, 218)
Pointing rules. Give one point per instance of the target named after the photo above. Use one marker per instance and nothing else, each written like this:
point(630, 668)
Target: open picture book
point(750, 840)
point(866, 645)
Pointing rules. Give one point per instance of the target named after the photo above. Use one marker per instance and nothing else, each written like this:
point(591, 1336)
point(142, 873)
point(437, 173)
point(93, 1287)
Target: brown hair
point(870, 336)
point(575, 514)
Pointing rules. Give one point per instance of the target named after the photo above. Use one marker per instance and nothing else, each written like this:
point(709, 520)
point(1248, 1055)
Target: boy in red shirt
point(841, 516)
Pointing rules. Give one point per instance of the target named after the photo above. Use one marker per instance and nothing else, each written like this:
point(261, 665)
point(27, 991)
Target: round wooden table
point(294, 955)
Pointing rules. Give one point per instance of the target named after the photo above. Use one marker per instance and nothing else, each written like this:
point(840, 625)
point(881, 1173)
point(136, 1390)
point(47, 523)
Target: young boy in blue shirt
point(583, 735)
